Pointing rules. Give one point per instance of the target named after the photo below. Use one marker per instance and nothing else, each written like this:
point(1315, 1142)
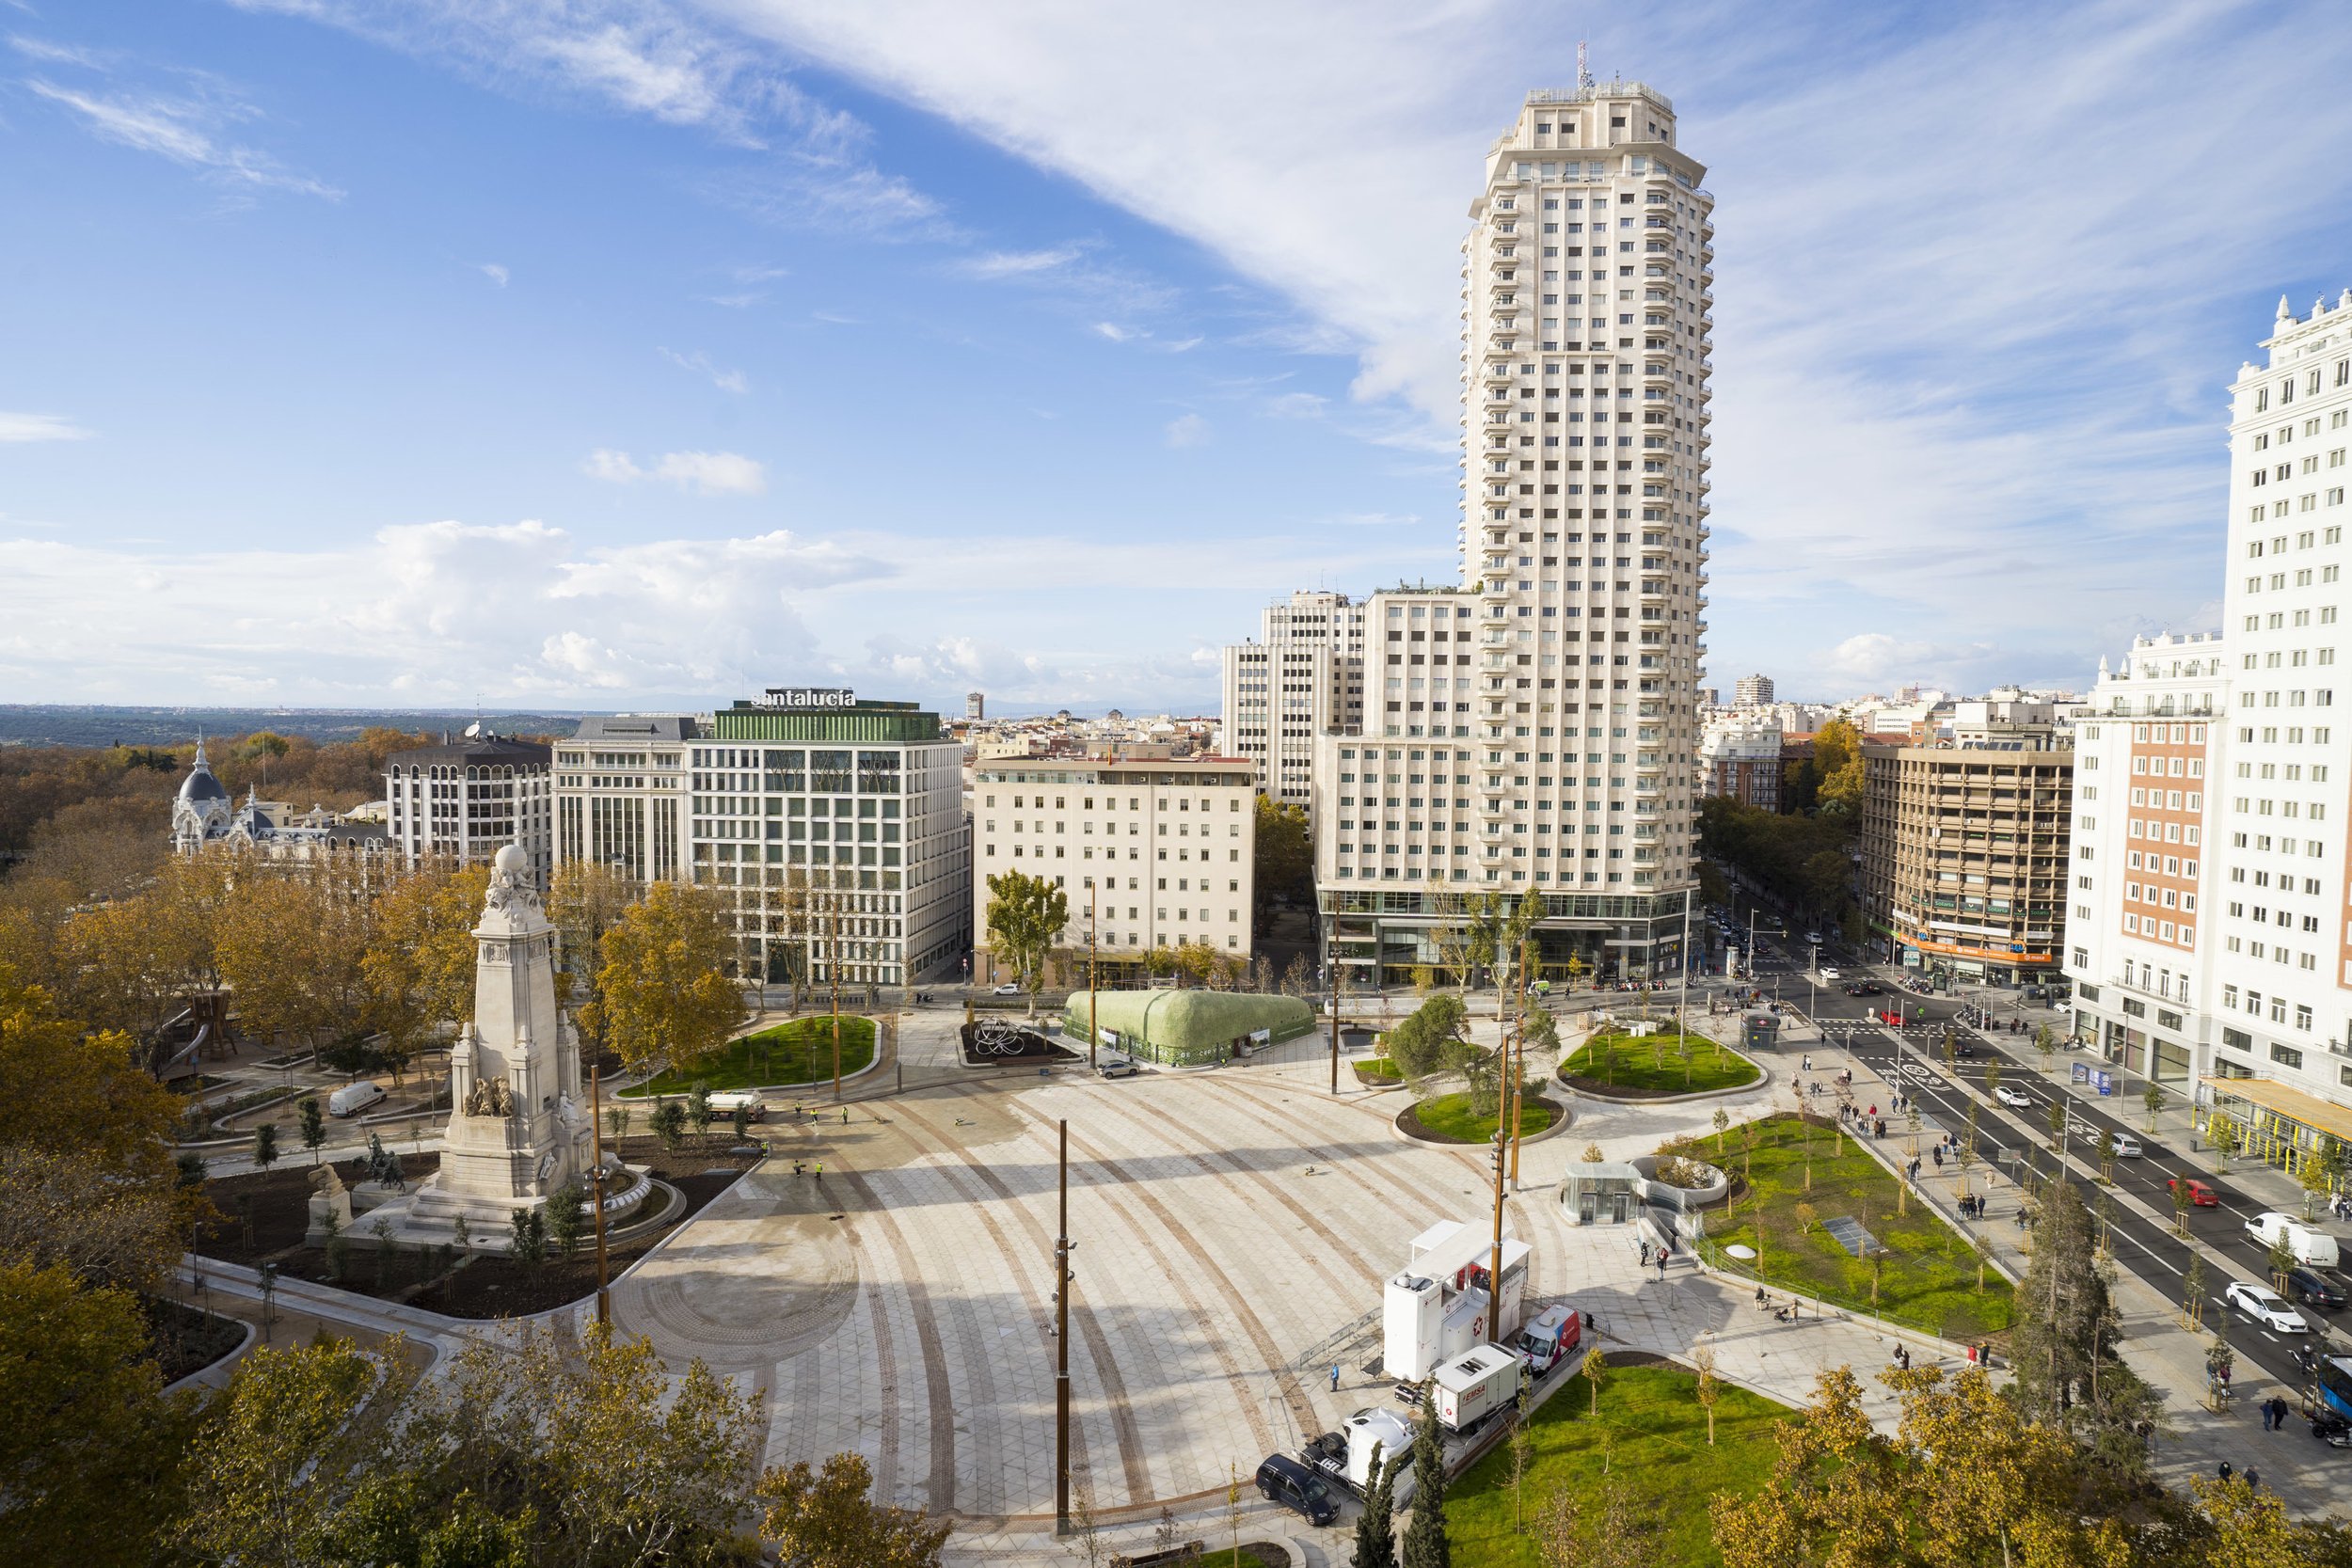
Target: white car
point(2124, 1145)
point(1828, 974)
point(1009, 989)
point(2265, 1307)
point(2016, 1100)
point(1110, 1064)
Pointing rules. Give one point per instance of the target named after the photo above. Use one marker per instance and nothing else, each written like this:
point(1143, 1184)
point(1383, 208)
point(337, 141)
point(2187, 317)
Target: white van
point(726, 1103)
point(352, 1098)
point(2305, 1244)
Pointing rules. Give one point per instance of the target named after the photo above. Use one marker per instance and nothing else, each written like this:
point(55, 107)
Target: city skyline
point(528, 359)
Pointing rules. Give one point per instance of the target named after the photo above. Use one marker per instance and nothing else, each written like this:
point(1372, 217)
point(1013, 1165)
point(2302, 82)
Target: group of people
point(1971, 1206)
point(1657, 1255)
point(2275, 1411)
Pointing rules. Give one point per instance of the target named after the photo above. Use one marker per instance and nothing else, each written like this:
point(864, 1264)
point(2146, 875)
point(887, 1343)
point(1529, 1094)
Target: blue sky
point(631, 352)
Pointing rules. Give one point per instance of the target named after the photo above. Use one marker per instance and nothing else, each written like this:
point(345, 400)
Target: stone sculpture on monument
point(520, 1128)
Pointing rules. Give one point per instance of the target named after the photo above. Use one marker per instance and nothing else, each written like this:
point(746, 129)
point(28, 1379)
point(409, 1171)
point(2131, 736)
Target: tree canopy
point(663, 992)
point(1026, 915)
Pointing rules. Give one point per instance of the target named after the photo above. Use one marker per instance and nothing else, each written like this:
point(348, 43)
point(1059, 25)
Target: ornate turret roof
point(200, 785)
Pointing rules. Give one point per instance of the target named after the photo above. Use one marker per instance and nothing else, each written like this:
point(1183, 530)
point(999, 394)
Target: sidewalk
point(2154, 1340)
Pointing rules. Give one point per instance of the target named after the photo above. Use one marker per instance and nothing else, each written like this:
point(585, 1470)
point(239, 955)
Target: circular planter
point(1693, 1197)
point(1408, 1125)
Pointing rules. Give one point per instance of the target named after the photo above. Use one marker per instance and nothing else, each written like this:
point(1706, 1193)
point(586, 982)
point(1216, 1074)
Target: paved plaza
point(1231, 1226)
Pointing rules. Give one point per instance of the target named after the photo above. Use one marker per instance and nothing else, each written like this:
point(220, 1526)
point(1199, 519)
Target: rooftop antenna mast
point(1583, 70)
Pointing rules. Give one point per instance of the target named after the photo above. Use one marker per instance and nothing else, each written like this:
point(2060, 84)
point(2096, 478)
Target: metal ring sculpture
point(994, 1036)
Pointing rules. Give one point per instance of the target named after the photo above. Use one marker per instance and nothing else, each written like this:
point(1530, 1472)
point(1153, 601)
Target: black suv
point(2313, 1288)
point(1286, 1480)
point(1866, 988)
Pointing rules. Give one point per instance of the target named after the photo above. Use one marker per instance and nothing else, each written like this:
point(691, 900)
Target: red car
point(2199, 1196)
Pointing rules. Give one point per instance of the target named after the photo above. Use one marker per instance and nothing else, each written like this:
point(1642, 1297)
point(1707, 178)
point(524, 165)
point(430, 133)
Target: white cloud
point(184, 129)
point(1296, 405)
point(17, 428)
point(1017, 263)
point(494, 271)
point(526, 613)
point(705, 473)
point(699, 362)
point(1112, 330)
point(1187, 430)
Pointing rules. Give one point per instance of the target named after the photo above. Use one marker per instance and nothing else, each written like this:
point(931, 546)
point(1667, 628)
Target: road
point(2146, 1248)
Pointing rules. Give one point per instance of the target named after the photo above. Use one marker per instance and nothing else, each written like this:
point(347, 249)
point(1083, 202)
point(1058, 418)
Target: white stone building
point(1570, 712)
point(2261, 1002)
point(620, 794)
point(2140, 937)
point(835, 828)
point(1752, 691)
point(470, 796)
point(1167, 848)
point(1303, 677)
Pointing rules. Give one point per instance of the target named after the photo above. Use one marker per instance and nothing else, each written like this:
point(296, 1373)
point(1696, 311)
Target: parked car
point(1286, 1480)
point(1112, 1064)
point(2199, 1196)
point(2124, 1145)
point(1865, 987)
point(352, 1098)
point(2261, 1304)
point(2334, 1431)
point(1010, 987)
point(2016, 1100)
point(1814, 937)
point(2313, 1288)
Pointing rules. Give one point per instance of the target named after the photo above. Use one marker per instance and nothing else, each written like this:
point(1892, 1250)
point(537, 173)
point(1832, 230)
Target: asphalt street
point(2150, 1250)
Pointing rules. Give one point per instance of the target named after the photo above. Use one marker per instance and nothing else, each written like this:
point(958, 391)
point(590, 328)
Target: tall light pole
point(1094, 1026)
point(1683, 1001)
point(1062, 1278)
point(595, 1124)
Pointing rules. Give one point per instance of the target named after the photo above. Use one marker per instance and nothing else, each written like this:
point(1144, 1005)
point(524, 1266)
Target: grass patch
point(1223, 1558)
point(798, 1052)
point(1653, 1064)
point(1928, 1280)
point(1450, 1116)
point(1379, 1067)
point(1656, 1436)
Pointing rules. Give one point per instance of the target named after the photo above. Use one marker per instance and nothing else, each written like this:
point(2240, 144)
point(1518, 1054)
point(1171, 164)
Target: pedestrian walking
point(845, 1116)
point(2223, 1469)
point(1760, 1298)
point(1661, 1268)
point(1809, 1061)
point(1335, 1377)
point(2271, 1414)
point(2253, 1477)
point(821, 1171)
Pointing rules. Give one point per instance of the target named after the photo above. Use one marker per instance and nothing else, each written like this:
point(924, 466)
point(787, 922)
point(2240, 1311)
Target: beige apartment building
point(1162, 851)
point(1965, 859)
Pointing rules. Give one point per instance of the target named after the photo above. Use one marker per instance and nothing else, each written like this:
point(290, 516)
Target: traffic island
point(797, 1051)
point(1449, 1118)
point(1619, 1064)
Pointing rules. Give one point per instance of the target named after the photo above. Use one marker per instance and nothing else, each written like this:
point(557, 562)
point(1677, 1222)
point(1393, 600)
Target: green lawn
point(1654, 1062)
point(1450, 1116)
point(1378, 1067)
point(1930, 1281)
point(800, 1052)
point(1656, 1436)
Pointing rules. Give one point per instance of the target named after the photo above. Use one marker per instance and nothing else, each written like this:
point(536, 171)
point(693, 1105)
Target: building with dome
point(204, 814)
point(201, 812)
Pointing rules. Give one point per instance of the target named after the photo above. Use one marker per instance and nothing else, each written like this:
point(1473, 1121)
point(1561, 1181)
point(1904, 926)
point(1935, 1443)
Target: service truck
point(1551, 1338)
point(1468, 1388)
point(1343, 1457)
point(2305, 1243)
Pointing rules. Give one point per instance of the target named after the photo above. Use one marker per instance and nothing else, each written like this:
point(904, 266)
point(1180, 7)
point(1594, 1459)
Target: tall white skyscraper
point(1303, 679)
point(1564, 684)
point(2212, 862)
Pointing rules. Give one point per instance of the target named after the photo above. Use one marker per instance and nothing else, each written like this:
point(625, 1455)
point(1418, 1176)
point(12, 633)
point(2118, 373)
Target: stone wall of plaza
point(1965, 859)
point(838, 836)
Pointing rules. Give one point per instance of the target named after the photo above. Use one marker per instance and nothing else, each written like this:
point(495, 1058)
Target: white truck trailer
point(1468, 1389)
point(1440, 1305)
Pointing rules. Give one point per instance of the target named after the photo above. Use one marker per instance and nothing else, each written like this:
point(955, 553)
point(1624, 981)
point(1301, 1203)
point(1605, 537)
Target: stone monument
point(519, 1128)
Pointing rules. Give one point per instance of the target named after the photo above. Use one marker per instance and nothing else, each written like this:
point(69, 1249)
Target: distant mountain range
point(64, 725)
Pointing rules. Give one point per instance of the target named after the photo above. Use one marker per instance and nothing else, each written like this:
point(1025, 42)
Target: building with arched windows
point(471, 795)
